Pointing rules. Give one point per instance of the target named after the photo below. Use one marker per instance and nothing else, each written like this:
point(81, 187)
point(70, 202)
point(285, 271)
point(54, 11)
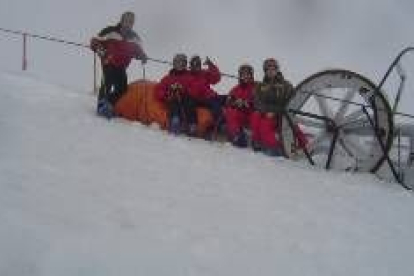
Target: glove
point(207, 61)
point(143, 57)
point(98, 47)
point(100, 51)
point(95, 44)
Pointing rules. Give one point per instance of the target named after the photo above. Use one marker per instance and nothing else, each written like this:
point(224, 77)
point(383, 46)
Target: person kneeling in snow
point(239, 107)
point(270, 100)
point(173, 91)
point(117, 46)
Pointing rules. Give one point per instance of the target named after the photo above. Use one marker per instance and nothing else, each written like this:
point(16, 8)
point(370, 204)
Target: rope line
point(67, 42)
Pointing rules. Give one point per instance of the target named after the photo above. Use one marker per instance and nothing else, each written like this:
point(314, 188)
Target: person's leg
point(106, 83)
point(189, 111)
point(104, 107)
point(235, 120)
point(215, 107)
point(255, 119)
point(190, 106)
point(120, 85)
point(102, 89)
point(270, 143)
point(300, 137)
point(174, 120)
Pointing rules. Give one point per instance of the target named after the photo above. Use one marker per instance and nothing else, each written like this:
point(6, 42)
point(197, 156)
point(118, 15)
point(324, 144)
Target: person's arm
point(97, 43)
point(287, 94)
point(257, 99)
point(231, 97)
point(161, 89)
point(140, 54)
point(107, 30)
point(213, 75)
point(139, 50)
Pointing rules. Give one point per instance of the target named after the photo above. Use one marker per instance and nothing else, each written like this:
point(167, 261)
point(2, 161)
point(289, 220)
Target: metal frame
point(373, 122)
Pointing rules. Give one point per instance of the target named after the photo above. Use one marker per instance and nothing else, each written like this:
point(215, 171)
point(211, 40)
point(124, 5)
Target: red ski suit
point(239, 108)
point(201, 80)
point(175, 78)
point(120, 48)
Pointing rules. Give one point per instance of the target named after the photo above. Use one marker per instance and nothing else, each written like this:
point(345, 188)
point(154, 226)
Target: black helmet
point(270, 62)
point(246, 68)
point(195, 62)
point(180, 61)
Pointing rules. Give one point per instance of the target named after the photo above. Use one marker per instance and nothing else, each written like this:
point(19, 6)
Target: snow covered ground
point(81, 195)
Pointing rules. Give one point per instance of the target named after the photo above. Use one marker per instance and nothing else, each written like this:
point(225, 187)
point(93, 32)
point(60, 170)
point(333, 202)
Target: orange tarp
point(139, 104)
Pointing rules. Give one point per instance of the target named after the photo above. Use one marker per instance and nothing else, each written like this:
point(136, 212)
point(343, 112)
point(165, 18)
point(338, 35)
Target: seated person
point(200, 91)
point(270, 99)
point(173, 90)
point(239, 107)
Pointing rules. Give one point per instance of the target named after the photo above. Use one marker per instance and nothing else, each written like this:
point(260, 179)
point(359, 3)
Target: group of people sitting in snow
point(257, 106)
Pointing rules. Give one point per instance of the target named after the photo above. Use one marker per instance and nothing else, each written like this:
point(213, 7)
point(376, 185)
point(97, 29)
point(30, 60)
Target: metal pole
point(386, 155)
point(402, 75)
point(331, 149)
point(95, 90)
point(143, 71)
point(24, 58)
point(295, 135)
point(144, 102)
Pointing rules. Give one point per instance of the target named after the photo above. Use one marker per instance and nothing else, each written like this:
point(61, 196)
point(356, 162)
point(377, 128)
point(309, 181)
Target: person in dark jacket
point(270, 100)
point(117, 46)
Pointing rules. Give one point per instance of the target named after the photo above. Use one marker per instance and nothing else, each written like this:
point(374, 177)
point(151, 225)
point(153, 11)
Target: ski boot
point(105, 109)
point(175, 125)
point(192, 130)
point(240, 140)
point(273, 152)
point(256, 146)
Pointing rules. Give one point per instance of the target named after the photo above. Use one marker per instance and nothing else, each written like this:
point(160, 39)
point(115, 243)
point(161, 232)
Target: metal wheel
point(328, 109)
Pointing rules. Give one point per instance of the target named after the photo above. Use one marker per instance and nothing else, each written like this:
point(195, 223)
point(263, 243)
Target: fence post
point(24, 60)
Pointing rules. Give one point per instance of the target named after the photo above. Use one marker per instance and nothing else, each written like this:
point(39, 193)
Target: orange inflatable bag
point(139, 104)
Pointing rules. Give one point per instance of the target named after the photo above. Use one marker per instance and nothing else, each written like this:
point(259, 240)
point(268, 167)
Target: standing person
point(117, 46)
point(270, 100)
point(173, 90)
point(239, 106)
point(200, 86)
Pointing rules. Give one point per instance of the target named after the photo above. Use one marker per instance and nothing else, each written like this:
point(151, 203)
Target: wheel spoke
point(317, 142)
point(344, 105)
point(360, 127)
point(352, 117)
point(355, 147)
point(345, 147)
point(311, 123)
point(323, 107)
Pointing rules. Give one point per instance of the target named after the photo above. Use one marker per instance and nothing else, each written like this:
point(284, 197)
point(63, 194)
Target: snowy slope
point(81, 195)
